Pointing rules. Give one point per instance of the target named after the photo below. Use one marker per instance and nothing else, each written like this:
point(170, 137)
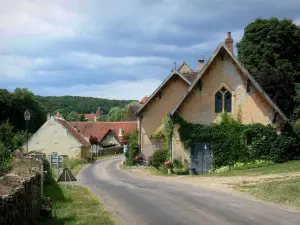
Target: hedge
point(229, 145)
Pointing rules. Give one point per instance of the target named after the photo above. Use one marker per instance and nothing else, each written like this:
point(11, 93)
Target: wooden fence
point(100, 151)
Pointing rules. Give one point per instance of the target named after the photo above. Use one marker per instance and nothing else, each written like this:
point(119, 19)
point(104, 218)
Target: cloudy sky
point(117, 49)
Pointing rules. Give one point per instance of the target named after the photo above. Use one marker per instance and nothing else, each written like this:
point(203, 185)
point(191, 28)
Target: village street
point(137, 200)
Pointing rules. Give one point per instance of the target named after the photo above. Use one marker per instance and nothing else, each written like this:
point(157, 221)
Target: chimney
point(48, 116)
point(229, 42)
point(120, 132)
point(201, 64)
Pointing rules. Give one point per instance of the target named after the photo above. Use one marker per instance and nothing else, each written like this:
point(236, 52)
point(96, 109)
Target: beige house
point(57, 135)
point(155, 107)
point(201, 96)
point(224, 85)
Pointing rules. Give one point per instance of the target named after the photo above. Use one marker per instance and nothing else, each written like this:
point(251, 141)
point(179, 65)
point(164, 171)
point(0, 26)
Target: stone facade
point(20, 199)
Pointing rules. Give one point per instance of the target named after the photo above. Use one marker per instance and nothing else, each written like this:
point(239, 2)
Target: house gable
point(184, 68)
point(53, 137)
point(174, 74)
point(248, 101)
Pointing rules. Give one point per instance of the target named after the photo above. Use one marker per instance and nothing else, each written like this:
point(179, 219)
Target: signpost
point(66, 176)
point(56, 159)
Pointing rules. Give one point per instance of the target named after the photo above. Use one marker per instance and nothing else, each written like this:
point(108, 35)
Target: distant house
point(107, 133)
point(92, 116)
point(57, 135)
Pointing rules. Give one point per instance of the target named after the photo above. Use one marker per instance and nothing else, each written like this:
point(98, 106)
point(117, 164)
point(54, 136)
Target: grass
point(76, 206)
point(284, 191)
point(291, 166)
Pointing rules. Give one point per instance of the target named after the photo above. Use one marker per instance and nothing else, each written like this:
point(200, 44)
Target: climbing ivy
point(229, 141)
point(168, 131)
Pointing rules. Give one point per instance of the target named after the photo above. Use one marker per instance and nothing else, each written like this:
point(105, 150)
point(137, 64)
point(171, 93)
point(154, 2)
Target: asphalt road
point(135, 200)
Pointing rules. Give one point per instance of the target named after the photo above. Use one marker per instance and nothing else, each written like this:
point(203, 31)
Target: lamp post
point(27, 118)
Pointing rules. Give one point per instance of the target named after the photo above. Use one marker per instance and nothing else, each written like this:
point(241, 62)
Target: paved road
point(140, 201)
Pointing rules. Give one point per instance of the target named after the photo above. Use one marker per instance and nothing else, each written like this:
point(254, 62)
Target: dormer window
point(223, 101)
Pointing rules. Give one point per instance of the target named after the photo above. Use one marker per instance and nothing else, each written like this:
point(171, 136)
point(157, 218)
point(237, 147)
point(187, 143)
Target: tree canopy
point(270, 50)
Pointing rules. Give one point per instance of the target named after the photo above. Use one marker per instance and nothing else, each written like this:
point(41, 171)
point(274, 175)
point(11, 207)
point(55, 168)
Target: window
point(223, 99)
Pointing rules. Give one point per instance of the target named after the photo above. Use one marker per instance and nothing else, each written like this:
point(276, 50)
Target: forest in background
point(81, 105)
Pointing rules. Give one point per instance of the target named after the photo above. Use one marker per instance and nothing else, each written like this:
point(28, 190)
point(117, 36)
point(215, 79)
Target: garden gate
point(201, 157)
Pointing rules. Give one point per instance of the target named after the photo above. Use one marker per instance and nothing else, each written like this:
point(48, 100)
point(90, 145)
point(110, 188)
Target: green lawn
point(281, 191)
point(76, 206)
point(291, 166)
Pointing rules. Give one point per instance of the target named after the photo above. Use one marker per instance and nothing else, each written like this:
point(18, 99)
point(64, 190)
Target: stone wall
point(20, 199)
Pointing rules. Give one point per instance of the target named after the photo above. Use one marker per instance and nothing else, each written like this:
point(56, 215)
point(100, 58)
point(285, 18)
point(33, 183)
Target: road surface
point(135, 200)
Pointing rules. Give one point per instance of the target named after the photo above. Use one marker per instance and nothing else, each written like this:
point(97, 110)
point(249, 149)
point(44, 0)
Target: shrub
point(177, 163)
point(133, 149)
point(163, 168)
point(5, 160)
point(229, 141)
point(159, 157)
point(181, 171)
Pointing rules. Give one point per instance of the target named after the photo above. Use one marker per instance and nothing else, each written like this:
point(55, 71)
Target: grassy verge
point(76, 206)
point(280, 191)
point(287, 167)
point(291, 166)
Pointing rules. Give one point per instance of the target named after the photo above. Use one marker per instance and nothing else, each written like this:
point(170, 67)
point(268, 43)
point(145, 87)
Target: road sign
point(66, 176)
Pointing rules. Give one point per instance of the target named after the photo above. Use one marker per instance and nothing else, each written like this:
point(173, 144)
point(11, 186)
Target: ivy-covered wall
point(234, 142)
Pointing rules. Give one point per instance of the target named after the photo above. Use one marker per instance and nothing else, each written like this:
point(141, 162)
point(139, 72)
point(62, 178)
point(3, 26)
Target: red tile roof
point(75, 133)
point(100, 129)
point(144, 99)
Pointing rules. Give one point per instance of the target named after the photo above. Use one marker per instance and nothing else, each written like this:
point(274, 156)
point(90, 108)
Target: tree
point(81, 118)
point(270, 50)
point(116, 114)
point(72, 116)
point(7, 135)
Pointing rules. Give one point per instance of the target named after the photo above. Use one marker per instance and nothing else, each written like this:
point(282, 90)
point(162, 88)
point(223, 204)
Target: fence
point(100, 151)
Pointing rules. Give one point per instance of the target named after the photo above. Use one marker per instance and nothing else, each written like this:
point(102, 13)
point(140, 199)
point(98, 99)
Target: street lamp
point(27, 118)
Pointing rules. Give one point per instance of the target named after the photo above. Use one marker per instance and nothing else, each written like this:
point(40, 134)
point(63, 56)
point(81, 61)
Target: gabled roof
point(174, 72)
point(73, 132)
point(184, 64)
point(222, 46)
point(100, 129)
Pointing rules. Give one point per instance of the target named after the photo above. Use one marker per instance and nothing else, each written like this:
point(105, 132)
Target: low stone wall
point(20, 199)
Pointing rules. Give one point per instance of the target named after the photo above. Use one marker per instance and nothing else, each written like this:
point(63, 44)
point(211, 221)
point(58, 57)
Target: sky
point(116, 49)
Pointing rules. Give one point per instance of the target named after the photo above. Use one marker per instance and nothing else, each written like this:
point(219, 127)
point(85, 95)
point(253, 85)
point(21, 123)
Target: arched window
point(223, 99)
point(218, 102)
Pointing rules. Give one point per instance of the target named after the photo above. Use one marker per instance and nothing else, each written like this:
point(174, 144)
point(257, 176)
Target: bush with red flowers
point(169, 164)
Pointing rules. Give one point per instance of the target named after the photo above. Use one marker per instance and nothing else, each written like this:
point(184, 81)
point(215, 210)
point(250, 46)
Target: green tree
point(72, 116)
point(270, 50)
point(116, 114)
point(7, 135)
point(103, 118)
point(81, 118)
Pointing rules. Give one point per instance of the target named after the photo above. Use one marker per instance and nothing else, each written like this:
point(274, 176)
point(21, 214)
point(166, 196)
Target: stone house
point(155, 107)
point(224, 85)
point(57, 135)
point(200, 96)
